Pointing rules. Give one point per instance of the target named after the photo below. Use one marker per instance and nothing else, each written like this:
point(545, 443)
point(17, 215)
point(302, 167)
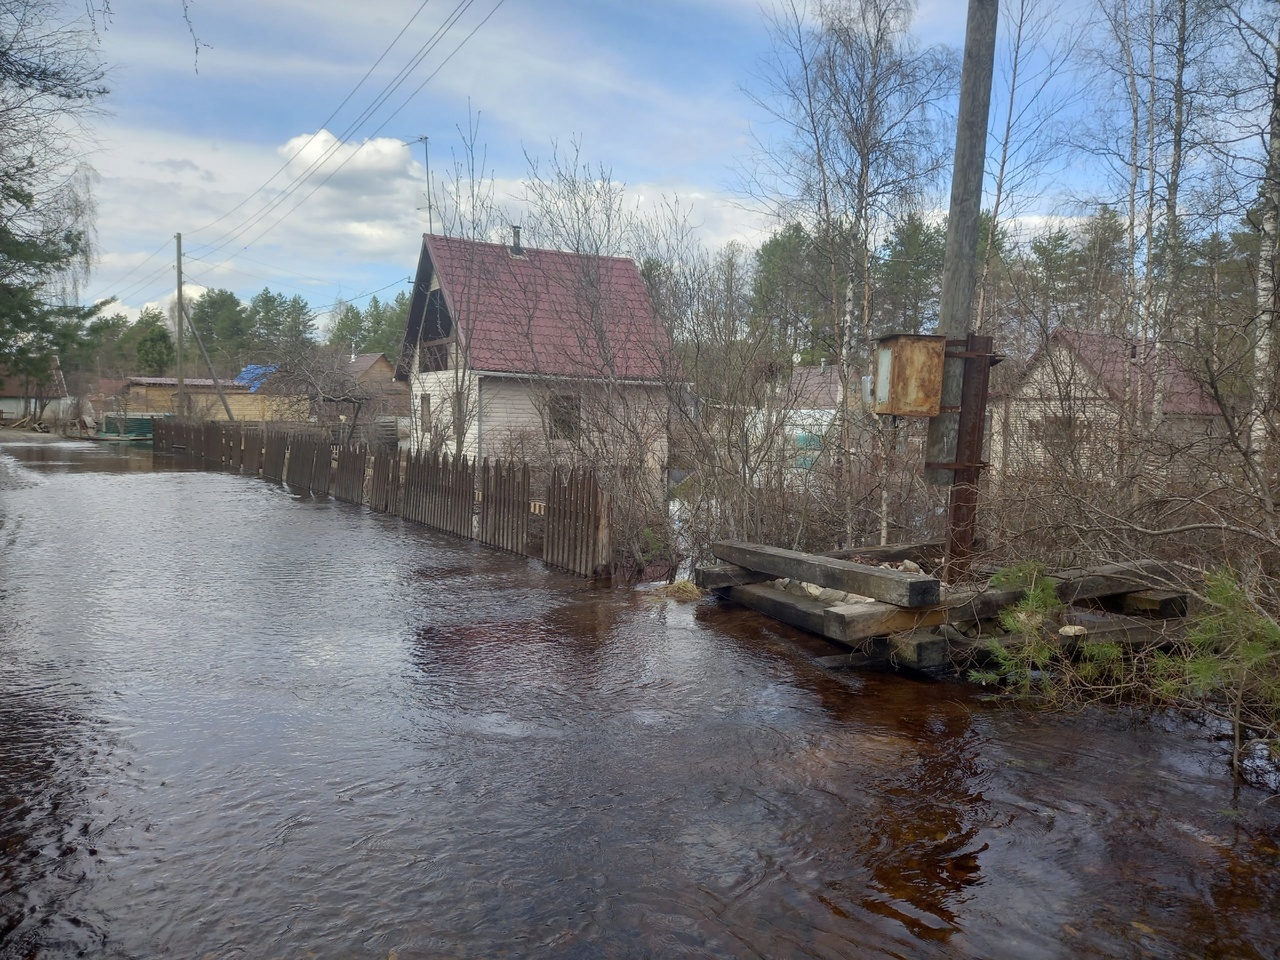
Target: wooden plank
point(797, 611)
point(1110, 579)
point(1160, 604)
point(920, 649)
point(852, 660)
point(888, 586)
point(718, 575)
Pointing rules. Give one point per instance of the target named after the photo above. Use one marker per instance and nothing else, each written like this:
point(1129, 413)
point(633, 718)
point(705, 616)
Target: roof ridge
point(498, 245)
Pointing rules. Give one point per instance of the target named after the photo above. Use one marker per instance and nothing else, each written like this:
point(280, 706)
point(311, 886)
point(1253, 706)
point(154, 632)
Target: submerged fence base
point(493, 502)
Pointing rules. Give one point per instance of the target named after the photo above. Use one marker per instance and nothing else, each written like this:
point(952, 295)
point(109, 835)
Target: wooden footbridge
point(879, 604)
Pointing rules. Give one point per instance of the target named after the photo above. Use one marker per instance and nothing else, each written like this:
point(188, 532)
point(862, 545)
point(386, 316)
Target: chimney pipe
point(516, 249)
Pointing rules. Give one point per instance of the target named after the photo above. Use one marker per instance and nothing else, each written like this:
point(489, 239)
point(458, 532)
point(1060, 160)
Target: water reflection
point(237, 722)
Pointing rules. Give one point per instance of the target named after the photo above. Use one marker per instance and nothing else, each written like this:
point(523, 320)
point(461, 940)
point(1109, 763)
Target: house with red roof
point(513, 351)
point(1087, 401)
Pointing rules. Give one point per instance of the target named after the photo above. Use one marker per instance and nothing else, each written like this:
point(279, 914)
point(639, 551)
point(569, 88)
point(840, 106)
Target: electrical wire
point(360, 296)
point(146, 281)
point(324, 123)
point(387, 120)
point(257, 276)
point(229, 236)
point(155, 254)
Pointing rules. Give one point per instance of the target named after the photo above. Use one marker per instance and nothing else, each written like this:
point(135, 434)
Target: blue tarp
point(254, 376)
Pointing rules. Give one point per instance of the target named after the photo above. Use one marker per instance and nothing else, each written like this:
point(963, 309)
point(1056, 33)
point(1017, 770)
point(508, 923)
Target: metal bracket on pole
point(962, 520)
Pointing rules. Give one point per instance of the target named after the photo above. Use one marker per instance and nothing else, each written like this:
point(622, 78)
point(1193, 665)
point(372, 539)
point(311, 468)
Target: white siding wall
point(441, 386)
point(1059, 417)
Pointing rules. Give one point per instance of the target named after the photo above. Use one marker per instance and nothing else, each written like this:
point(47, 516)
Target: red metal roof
point(815, 388)
point(545, 312)
point(13, 385)
point(1114, 359)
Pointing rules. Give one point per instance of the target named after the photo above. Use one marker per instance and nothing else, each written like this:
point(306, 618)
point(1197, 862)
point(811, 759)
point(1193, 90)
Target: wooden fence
point(505, 506)
point(495, 503)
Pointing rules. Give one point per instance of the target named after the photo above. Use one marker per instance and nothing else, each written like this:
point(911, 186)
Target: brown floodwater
point(239, 722)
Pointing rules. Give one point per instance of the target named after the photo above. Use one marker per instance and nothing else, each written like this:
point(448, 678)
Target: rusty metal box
point(909, 375)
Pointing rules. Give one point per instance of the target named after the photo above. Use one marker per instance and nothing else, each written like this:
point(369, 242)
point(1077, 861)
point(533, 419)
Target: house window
point(1061, 432)
point(564, 416)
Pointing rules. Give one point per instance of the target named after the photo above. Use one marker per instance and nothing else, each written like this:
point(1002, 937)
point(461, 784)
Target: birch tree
point(860, 107)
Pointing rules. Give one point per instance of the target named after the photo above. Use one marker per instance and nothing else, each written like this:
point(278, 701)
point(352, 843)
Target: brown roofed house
point(1087, 400)
point(539, 354)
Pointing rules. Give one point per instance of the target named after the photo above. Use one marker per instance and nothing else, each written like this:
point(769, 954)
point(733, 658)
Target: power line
point(345, 100)
point(233, 234)
point(163, 246)
point(257, 276)
point(227, 237)
point(368, 293)
point(388, 119)
point(146, 281)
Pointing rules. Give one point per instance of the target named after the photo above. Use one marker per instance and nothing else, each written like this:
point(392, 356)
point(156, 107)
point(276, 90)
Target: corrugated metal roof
point(229, 385)
point(1115, 361)
point(361, 362)
point(544, 312)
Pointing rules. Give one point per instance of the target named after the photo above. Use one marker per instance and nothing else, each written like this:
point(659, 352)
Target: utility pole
point(945, 462)
point(426, 160)
point(181, 322)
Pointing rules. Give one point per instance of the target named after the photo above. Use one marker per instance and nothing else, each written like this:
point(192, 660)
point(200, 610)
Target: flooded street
point(236, 722)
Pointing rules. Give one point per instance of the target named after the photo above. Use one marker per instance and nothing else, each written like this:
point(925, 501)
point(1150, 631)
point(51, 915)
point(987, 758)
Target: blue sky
point(652, 91)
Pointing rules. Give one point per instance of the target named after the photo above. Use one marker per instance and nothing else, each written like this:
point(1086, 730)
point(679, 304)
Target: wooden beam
point(889, 586)
point(1160, 604)
point(1109, 580)
point(854, 622)
point(853, 660)
point(1122, 630)
point(921, 649)
point(797, 611)
point(717, 576)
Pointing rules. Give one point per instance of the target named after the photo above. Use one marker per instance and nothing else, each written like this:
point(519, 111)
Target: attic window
point(564, 416)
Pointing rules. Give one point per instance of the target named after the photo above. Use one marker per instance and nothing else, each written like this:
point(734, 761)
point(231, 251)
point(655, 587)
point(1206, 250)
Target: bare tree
point(861, 107)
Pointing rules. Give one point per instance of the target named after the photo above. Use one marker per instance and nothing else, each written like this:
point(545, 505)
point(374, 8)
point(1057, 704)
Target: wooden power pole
point(179, 325)
point(946, 462)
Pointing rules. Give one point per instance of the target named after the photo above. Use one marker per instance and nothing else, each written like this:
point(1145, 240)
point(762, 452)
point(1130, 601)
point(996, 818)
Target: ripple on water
point(235, 722)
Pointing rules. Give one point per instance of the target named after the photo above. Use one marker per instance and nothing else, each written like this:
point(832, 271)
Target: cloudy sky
point(213, 144)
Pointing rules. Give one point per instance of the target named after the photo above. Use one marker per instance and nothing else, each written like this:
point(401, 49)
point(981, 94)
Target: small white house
point(511, 351)
point(1087, 398)
point(36, 397)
